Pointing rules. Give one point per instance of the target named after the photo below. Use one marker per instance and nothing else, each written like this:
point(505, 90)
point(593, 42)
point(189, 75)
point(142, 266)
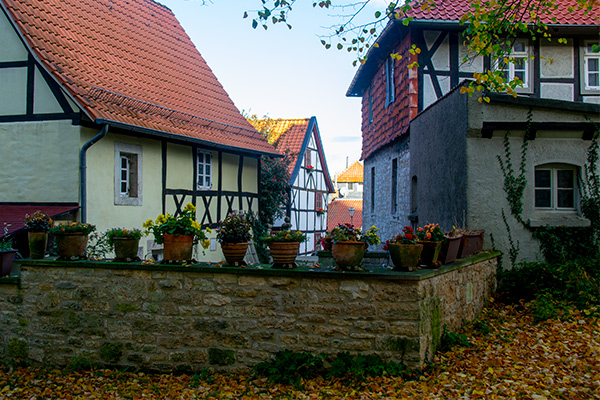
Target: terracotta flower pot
point(450, 249)
point(405, 256)
point(349, 254)
point(38, 242)
point(126, 249)
point(234, 253)
point(471, 243)
point(71, 246)
point(431, 252)
point(284, 254)
point(6, 261)
point(178, 247)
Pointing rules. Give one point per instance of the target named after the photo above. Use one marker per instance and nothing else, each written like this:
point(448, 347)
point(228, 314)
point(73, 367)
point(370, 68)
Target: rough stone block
point(251, 281)
point(355, 289)
point(216, 300)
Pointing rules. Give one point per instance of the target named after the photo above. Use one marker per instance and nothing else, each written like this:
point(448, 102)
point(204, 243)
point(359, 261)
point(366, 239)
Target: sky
point(279, 72)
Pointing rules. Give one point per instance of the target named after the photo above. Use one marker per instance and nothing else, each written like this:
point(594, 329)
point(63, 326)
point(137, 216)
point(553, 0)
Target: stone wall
point(188, 318)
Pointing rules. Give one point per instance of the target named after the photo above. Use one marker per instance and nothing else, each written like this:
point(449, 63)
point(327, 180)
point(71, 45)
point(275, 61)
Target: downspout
point(82, 170)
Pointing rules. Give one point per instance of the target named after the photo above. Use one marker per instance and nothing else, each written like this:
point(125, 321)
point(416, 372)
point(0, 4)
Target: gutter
point(82, 170)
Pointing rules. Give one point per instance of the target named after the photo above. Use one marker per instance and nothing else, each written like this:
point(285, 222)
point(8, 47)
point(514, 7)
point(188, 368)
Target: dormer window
point(591, 62)
point(518, 67)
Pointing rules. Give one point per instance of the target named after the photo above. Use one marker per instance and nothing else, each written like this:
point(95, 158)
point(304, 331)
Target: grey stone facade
point(379, 212)
point(188, 318)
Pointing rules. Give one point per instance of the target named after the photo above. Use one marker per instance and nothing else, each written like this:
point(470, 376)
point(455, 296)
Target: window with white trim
point(204, 170)
point(518, 66)
point(555, 187)
point(591, 65)
point(128, 174)
point(389, 81)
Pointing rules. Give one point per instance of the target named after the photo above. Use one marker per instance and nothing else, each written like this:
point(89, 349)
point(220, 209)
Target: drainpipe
point(83, 167)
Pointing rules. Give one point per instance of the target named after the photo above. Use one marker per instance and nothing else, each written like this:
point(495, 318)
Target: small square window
point(128, 174)
point(555, 188)
point(204, 170)
point(591, 67)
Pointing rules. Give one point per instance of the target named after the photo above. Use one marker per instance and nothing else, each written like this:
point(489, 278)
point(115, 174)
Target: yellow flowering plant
point(183, 224)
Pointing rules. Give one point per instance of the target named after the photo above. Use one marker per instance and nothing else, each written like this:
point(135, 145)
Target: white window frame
point(133, 179)
point(201, 174)
point(554, 168)
point(587, 56)
point(511, 68)
point(390, 89)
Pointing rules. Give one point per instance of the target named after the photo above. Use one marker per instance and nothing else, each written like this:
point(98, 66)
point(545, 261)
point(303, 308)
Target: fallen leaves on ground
point(516, 359)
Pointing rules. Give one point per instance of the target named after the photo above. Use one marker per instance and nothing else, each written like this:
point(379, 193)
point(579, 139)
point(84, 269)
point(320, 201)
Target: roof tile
point(337, 213)
point(353, 173)
point(131, 62)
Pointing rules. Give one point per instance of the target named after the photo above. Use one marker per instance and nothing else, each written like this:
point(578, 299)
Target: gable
point(129, 63)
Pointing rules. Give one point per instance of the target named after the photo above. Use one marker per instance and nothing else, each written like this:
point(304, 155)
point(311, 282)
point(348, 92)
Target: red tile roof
point(284, 134)
point(131, 62)
point(12, 217)
point(337, 213)
point(567, 13)
point(353, 173)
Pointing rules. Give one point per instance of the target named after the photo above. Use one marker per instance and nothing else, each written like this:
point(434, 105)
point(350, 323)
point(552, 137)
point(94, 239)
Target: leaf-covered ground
point(510, 358)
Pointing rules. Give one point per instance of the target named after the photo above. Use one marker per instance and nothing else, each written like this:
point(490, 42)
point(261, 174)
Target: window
point(318, 201)
point(350, 186)
point(389, 81)
point(591, 61)
point(555, 187)
point(204, 171)
point(394, 185)
point(128, 174)
point(372, 189)
point(519, 67)
point(307, 158)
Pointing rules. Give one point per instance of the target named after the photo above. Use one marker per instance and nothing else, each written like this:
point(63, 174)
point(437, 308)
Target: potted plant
point(7, 255)
point(72, 239)
point(284, 246)
point(125, 242)
point(404, 250)
point(350, 244)
point(451, 246)
point(233, 234)
point(471, 242)
point(37, 226)
point(178, 233)
point(431, 237)
point(320, 211)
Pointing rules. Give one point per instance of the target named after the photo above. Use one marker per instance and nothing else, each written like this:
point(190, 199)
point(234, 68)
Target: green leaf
point(254, 24)
point(378, 14)
point(339, 46)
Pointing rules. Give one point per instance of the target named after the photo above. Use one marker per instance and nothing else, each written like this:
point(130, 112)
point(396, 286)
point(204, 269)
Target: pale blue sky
point(279, 72)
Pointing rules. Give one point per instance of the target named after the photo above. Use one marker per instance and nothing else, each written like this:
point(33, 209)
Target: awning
point(12, 217)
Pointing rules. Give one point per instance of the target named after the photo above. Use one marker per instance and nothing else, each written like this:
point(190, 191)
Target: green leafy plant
point(6, 245)
point(285, 236)
point(38, 222)
point(289, 367)
point(451, 339)
point(73, 227)
point(97, 248)
point(113, 233)
point(347, 232)
point(183, 224)
point(364, 365)
point(431, 233)
point(407, 236)
point(235, 228)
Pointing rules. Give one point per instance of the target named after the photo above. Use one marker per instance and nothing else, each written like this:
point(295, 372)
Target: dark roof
point(131, 63)
point(12, 217)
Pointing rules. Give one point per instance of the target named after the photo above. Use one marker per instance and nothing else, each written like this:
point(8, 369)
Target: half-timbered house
point(108, 108)
point(310, 181)
point(430, 152)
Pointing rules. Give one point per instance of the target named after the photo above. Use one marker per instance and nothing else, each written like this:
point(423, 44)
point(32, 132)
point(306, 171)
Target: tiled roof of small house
point(337, 213)
point(353, 173)
point(566, 13)
point(130, 62)
point(12, 217)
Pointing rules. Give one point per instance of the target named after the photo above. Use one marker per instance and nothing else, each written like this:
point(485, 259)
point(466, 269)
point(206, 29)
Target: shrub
point(361, 366)
point(450, 339)
point(289, 367)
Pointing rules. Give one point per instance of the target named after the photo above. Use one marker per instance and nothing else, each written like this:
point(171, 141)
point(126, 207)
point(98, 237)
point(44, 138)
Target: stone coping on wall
point(263, 270)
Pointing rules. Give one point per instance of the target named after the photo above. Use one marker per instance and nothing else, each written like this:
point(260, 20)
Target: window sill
point(567, 220)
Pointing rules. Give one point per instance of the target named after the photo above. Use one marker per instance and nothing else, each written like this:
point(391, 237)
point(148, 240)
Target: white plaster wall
point(180, 167)
point(13, 91)
point(556, 59)
point(11, 47)
point(40, 162)
point(558, 91)
point(44, 101)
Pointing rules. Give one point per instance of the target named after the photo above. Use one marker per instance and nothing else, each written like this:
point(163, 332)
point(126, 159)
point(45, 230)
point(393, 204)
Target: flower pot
point(6, 261)
point(284, 254)
point(37, 244)
point(177, 247)
point(405, 256)
point(431, 252)
point(234, 253)
point(71, 246)
point(126, 248)
point(471, 243)
point(348, 254)
point(450, 249)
